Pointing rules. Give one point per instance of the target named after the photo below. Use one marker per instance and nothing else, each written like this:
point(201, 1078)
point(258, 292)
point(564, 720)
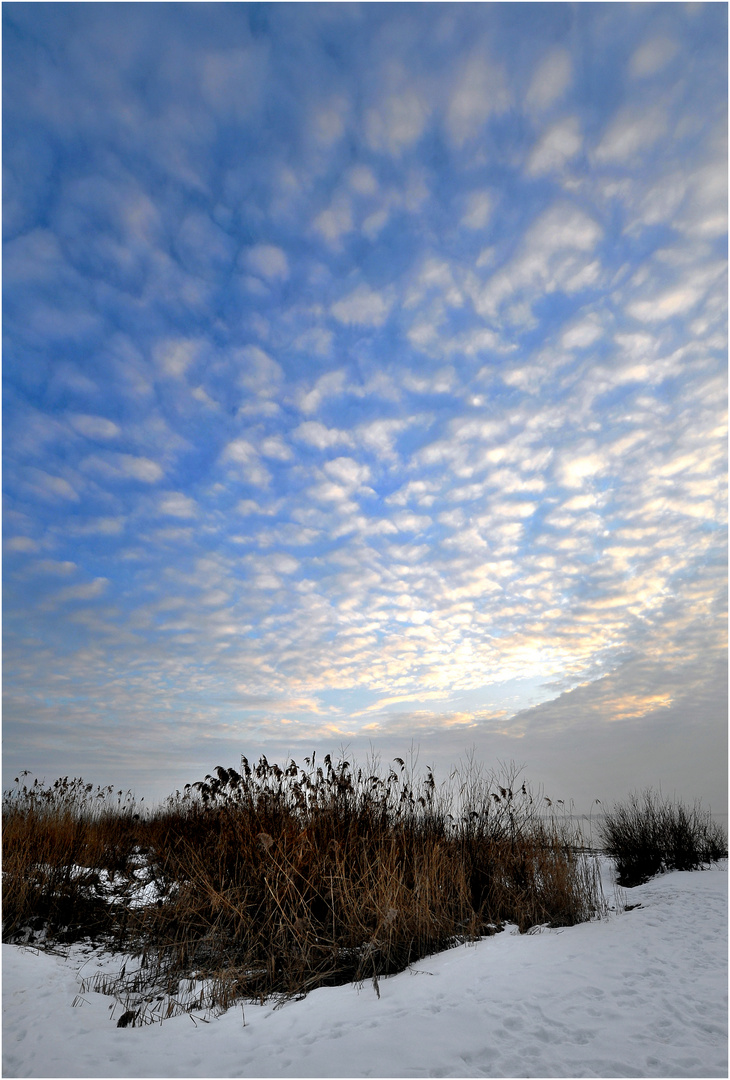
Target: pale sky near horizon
point(365, 385)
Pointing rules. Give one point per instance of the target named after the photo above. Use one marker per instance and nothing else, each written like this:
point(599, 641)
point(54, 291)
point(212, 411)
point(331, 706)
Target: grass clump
point(274, 881)
point(57, 841)
point(647, 834)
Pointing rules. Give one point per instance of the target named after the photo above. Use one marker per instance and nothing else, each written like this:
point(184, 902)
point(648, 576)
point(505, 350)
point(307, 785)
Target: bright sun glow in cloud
point(365, 380)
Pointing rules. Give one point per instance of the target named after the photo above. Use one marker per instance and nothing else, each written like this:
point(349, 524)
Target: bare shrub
point(646, 834)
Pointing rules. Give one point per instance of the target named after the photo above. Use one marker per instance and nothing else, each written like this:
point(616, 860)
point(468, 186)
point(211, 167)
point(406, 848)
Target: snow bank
point(643, 993)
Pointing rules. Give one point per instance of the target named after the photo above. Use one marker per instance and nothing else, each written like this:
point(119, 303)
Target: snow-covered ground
point(643, 993)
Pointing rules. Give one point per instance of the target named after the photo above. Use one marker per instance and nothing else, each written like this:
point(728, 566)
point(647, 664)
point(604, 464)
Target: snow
point(641, 993)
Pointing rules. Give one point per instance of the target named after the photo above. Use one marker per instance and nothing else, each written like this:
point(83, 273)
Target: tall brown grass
point(276, 880)
point(56, 839)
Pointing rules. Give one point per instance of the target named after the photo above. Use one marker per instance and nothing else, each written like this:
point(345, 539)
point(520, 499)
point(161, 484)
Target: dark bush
point(647, 834)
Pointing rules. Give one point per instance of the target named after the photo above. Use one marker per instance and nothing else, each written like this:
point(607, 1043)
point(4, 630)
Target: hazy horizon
point(365, 385)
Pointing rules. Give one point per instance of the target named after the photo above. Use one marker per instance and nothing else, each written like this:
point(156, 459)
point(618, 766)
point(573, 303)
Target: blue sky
point(365, 384)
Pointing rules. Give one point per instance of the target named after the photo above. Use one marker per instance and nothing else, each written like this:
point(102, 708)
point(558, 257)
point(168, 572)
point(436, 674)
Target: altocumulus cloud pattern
point(365, 379)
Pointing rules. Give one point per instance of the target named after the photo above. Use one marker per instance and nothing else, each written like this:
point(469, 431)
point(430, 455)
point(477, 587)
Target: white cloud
point(335, 221)
point(406, 521)
point(287, 189)
point(94, 427)
point(259, 373)
point(380, 435)
point(661, 201)
point(666, 304)
point(275, 448)
point(330, 385)
point(231, 79)
point(510, 482)
point(652, 56)
point(23, 544)
point(558, 145)
point(362, 307)
point(176, 504)
point(125, 466)
point(705, 214)
point(328, 123)
point(241, 452)
point(205, 248)
point(575, 468)
point(100, 526)
point(442, 381)
point(33, 256)
point(175, 355)
point(268, 261)
point(479, 93)
point(475, 342)
point(321, 437)
point(416, 193)
point(421, 491)
point(582, 333)
point(379, 385)
point(347, 471)
point(61, 568)
point(328, 491)
point(278, 563)
point(90, 591)
point(362, 180)
point(478, 210)
point(435, 276)
point(374, 223)
point(550, 81)
point(250, 506)
point(513, 509)
point(560, 227)
point(424, 333)
point(630, 134)
point(678, 298)
point(201, 395)
point(397, 122)
point(554, 255)
point(317, 340)
point(580, 502)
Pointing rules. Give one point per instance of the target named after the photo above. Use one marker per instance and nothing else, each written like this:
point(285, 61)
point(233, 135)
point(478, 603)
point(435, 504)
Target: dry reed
point(277, 880)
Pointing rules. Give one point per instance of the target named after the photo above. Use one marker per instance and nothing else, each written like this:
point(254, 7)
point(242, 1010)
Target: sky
point(365, 389)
